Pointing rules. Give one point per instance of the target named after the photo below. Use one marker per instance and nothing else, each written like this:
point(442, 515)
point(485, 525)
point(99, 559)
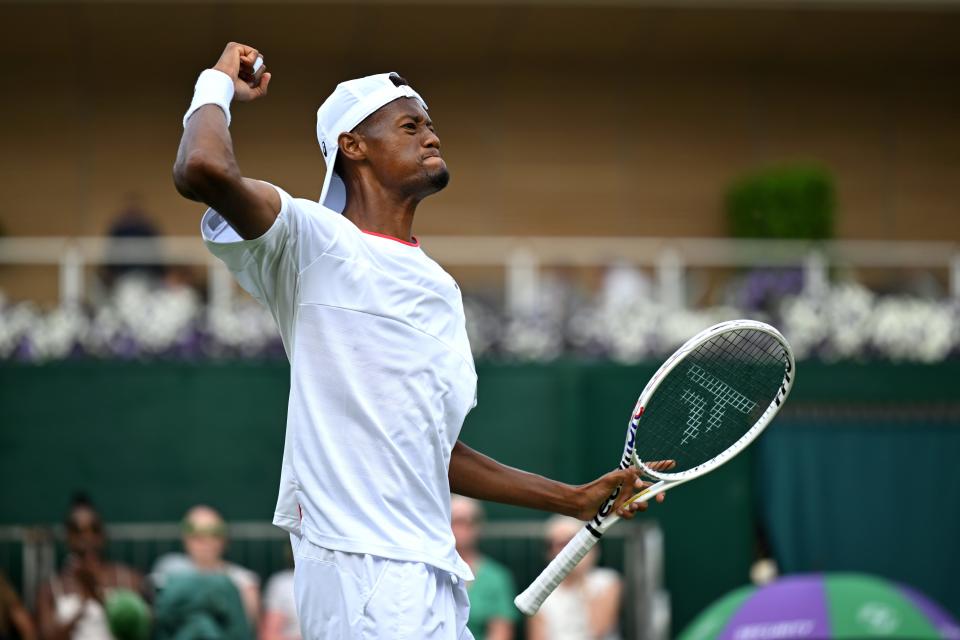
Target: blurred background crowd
point(624, 174)
point(195, 593)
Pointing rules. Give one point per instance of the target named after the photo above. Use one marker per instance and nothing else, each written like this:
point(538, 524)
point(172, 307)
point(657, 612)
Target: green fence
point(864, 453)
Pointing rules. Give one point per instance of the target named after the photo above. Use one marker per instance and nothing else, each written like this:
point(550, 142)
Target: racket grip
point(533, 596)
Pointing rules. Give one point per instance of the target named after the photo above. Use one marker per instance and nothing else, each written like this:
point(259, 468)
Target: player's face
point(404, 150)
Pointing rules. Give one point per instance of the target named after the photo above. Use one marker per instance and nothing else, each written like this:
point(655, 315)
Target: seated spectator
point(72, 604)
point(586, 605)
point(492, 614)
point(205, 540)
point(15, 621)
point(280, 621)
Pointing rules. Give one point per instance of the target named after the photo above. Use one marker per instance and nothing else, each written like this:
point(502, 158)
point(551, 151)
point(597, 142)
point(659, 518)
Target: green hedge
point(789, 202)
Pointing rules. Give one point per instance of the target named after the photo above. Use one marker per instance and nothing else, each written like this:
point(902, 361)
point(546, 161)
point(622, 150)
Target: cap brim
point(333, 196)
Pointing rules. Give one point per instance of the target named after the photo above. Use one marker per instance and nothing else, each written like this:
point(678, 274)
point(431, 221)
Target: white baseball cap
point(349, 105)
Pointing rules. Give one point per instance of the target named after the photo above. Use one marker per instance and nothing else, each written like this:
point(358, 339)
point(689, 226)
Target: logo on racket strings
point(714, 403)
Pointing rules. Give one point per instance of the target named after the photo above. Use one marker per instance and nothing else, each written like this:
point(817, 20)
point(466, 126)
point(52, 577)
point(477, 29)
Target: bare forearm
point(478, 476)
point(205, 159)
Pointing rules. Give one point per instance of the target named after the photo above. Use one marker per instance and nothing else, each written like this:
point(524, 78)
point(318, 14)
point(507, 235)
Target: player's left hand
point(595, 493)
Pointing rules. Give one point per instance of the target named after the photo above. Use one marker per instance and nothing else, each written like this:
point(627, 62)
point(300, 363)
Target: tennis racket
point(701, 408)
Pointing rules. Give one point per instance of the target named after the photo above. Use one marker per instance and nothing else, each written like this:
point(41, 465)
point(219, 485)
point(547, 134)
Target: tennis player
point(381, 370)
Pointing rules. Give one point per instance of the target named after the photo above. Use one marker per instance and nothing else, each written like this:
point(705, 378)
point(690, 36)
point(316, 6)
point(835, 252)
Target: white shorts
point(351, 596)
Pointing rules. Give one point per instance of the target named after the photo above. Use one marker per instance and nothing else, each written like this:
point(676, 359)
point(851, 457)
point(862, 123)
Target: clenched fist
point(250, 79)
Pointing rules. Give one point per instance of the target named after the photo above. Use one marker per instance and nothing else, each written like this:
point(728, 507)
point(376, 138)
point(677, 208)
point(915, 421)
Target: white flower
point(483, 326)
point(849, 311)
point(804, 324)
point(15, 323)
point(103, 332)
point(155, 318)
point(912, 329)
point(531, 338)
point(245, 325)
point(623, 323)
point(53, 336)
point(629, 331)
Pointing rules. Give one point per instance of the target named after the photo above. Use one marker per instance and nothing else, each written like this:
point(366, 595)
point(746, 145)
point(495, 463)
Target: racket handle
point(533, 596)
point(560, 567)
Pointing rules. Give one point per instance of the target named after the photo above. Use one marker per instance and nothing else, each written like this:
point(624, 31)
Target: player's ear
point(352, 146)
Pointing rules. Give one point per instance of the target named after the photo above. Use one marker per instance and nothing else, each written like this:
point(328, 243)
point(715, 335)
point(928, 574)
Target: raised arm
point(475, 475)
point(206, 169)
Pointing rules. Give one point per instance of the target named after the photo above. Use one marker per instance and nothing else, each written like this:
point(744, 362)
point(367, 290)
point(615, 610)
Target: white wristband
point(213, 87)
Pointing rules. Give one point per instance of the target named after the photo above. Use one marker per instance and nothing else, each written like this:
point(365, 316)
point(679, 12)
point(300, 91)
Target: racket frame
point(532, 597)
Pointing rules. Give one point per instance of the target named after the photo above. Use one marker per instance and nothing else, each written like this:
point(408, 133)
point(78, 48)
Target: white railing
point(521, 257)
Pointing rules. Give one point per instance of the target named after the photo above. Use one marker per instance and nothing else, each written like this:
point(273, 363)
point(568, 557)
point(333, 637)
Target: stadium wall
point(148, 441)
point(555, 119)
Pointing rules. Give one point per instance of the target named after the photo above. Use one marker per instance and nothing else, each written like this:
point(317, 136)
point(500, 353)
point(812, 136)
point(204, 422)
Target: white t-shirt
point(381, 379)
point(566, 610)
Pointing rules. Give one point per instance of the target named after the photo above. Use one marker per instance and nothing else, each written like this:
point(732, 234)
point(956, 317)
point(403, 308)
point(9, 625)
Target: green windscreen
point(713, 397)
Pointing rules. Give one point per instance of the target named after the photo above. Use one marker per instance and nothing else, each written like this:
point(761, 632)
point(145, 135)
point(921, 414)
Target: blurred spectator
point(280, 621)
point(492, 614)
point(132, 222)
point(586, 605)
point(15, 622)
point(205, 540)
point(73, 604)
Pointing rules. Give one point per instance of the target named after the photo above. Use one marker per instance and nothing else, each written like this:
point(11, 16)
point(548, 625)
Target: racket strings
point(749, 345)
point(711, 398)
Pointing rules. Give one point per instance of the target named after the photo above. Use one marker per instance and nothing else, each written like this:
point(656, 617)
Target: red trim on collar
point(415, 243)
